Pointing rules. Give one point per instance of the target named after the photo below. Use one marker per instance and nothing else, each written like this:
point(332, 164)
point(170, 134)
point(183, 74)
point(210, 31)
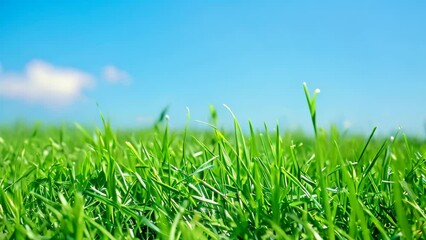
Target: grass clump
point(71, 183)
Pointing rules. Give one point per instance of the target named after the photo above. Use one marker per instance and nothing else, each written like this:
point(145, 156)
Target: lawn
point(72, 182)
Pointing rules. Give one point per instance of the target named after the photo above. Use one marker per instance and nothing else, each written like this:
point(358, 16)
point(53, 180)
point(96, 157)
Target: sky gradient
point(59, 58)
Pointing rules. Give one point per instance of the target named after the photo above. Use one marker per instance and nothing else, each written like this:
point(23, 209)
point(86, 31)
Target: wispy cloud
point(45, 84)
point(114, 75)
point(145, 120)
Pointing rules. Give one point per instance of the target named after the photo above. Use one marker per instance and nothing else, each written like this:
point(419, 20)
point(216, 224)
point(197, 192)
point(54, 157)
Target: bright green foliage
point(72, 183)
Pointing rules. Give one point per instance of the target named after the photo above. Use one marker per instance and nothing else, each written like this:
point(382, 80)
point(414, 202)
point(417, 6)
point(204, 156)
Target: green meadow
point(73, 182)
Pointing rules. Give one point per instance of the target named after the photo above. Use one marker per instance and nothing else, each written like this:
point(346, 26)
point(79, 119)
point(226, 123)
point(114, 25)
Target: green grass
point(73, 183)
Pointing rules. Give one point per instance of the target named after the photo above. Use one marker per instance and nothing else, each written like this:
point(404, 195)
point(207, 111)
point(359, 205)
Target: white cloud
point(114, 75)
point(45, 84)
point(145, 119)
point(347, 124)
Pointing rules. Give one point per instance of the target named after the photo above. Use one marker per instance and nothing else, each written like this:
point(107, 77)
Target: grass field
point(74, 183)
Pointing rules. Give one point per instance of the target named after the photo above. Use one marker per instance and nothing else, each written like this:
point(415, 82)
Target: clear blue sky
point(368, 58)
